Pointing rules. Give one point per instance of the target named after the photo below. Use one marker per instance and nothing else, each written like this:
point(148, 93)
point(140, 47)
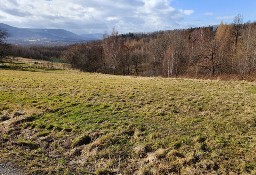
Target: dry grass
point(26, 64)
point(78, 123)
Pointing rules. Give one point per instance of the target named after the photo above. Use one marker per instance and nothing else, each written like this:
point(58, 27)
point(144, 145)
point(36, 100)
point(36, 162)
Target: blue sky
point(100, 16)
point(208, 12)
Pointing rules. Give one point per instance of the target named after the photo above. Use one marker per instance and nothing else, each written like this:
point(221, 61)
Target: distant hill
point(29, 36)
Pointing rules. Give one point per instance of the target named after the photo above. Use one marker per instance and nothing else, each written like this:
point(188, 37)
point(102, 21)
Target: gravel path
point(9, 169)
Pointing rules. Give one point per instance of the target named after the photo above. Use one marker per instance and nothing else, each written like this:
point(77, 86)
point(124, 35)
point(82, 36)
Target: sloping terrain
point(44, 36)
point(66, 122)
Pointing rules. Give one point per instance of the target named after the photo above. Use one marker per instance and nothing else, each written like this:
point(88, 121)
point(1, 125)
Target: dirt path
point(9, 169)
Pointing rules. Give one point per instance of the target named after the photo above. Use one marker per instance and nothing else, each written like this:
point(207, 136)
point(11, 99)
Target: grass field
point(67, 122)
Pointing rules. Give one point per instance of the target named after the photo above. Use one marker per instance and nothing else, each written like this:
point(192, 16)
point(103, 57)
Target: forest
point(213, 51)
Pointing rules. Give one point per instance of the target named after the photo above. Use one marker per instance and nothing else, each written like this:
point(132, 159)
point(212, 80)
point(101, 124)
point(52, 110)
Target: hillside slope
point(61, 122)
point(44, 36)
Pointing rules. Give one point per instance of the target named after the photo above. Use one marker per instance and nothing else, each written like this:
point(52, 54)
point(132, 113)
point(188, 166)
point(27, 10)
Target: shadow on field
point(35, 67)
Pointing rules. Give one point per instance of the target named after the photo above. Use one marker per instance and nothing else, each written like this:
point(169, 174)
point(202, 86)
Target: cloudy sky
point(100, 16)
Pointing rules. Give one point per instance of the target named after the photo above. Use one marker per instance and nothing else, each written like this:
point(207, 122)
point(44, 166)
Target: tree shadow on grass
point(21, 67)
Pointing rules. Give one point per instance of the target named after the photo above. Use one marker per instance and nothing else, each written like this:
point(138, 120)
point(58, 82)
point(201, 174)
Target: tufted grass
point(133, 125)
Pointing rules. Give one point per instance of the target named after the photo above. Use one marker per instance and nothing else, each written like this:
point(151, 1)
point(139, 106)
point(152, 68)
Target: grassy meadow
point(61, 121)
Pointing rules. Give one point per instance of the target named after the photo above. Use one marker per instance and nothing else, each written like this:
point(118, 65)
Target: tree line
point(48, 53)
point(226, 49)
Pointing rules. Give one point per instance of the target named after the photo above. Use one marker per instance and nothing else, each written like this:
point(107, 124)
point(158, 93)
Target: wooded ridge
point(227, 49)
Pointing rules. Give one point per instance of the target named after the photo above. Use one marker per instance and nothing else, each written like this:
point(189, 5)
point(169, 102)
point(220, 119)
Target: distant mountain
point(29, 36)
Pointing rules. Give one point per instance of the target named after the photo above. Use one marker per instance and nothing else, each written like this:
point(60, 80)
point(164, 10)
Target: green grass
point(135, 125)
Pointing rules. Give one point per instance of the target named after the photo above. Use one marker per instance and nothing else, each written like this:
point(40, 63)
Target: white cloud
point(112, 18)
point(208, 14)
point(188, 12)
point(91, 16)
point(225, 17)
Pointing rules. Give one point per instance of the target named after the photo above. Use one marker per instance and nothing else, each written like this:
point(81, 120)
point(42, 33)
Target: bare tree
point(223, 40)
point(237, 28)
point(158, 47)
point(3, 45)
point(246, 52)
point(175, 54)
point(113, 46)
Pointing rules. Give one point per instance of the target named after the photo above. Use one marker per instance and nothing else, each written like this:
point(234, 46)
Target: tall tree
point(223, 40)
point(246, 52)
point(113, 46)
point(158, 47)
point(174, 55)
point(3, 45)
point(237, 28)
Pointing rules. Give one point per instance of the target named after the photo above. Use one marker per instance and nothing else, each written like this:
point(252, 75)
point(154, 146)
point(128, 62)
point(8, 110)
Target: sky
point(101, 16)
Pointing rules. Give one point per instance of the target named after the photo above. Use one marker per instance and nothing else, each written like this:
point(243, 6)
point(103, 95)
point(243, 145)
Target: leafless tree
point(3, 45)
